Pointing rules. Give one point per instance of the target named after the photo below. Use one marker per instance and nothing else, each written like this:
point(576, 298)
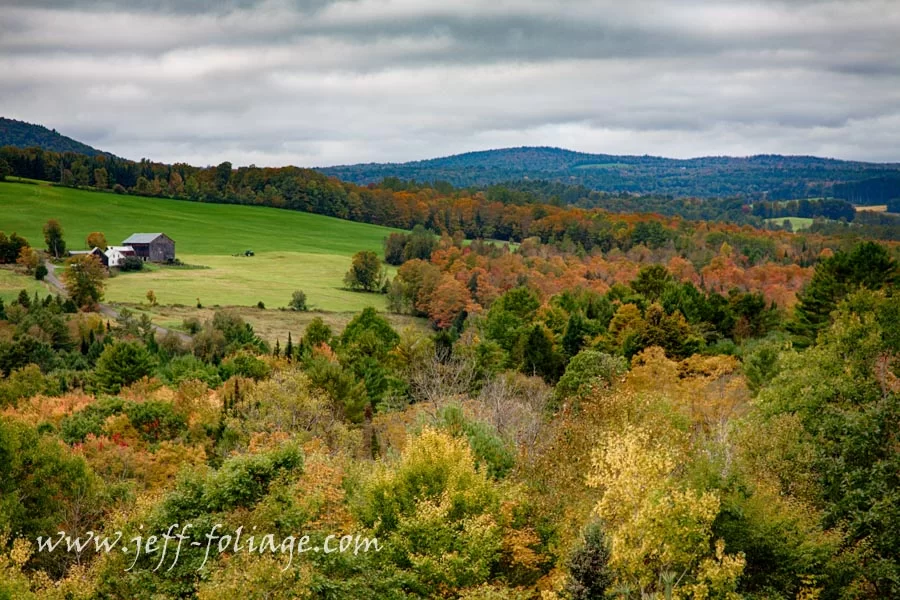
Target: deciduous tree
point(84, 279)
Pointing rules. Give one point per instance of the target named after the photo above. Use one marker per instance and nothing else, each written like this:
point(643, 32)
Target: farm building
point(155, 247)
point(118, 254)
point(95, 251)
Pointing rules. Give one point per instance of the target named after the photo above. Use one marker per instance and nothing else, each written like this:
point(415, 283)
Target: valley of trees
point(607, 405)
point(578, 426)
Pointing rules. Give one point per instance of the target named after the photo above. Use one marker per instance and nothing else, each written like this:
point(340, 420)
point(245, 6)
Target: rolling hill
point(26, 135)
point(293, 250)
point(772, 177)
point(775, 176)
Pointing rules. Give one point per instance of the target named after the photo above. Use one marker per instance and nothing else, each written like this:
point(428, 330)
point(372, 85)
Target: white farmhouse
point(118, 254)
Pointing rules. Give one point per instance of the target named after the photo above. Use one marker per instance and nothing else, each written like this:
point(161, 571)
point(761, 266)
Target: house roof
point(91, 251)
point(141, 238)
point(122, 249)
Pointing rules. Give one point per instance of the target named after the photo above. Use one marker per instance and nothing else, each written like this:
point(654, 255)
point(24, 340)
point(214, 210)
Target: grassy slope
point(11, 283)
point(294, 250)
point(797, 223)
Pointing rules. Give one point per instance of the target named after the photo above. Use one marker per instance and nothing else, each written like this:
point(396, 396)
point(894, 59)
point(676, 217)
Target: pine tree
point(289, 349)
point(277, 351)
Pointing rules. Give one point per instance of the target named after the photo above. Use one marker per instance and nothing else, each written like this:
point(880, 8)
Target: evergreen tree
point(868, 265)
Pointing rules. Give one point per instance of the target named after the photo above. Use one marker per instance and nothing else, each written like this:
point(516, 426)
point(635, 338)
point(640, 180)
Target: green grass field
point(11, 283)
point(294, 250)
point(797, 223)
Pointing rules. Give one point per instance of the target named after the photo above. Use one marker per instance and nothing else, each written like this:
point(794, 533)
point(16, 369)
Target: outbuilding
point(155, 247)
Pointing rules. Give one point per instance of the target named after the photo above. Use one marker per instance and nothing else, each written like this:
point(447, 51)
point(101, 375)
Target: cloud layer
point(319, 82)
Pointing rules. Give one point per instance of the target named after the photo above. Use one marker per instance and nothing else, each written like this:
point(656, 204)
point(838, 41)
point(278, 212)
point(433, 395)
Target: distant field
point(11, 283)
point(872, 208)
point(271, 325)
point(604, 166)
point(294, 250)
point(797, 223)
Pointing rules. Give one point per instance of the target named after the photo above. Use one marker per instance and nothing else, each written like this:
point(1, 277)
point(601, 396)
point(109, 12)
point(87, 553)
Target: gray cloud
point(320, 82)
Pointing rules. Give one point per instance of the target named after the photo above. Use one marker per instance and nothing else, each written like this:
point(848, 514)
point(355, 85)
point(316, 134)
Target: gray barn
point(155, 247)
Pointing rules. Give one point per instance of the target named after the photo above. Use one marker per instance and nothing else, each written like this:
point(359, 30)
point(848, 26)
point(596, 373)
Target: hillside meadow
point(293, 250)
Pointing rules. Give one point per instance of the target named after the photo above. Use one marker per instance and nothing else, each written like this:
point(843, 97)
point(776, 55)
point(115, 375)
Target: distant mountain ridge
point(769, 176)
point(772, 176)
point(26, 135)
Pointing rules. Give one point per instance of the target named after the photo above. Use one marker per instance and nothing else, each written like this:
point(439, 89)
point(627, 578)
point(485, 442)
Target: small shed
point(155, 247)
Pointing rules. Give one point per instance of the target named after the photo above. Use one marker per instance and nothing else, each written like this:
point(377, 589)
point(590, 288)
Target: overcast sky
point(321, 82)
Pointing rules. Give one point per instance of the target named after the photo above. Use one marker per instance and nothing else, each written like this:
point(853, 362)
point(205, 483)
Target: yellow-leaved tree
point(659, 526)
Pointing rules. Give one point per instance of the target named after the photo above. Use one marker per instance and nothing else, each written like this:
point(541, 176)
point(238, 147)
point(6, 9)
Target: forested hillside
point(27, 135)
point(772, 176)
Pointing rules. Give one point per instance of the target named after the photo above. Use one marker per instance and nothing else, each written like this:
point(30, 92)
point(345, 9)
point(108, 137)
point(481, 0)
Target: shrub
point(261, 305)
point(132, 263)
point(486, 444)
point(244, 364)
point(298, 301)
point(188, 367)
point(155, 420)
point(76, 427)
point(192, 325)
point(40, 272)
point(586, 368)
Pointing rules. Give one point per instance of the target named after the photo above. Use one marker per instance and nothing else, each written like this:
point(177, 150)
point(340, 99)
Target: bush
point(261, 305)
point(192, 325)
point(188, 367)
point(298, 301)
point(40, 272)
point(132, 263)
point(155, 420)
point(589, 367)
point(244, 365)
point(486, 444)
point(76, 427)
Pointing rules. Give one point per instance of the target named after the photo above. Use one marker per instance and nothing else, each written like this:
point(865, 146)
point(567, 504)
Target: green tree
point(366, 272)
point(651, 282)
point(587, 368)
point(868, 265)
point(5, 170)
point(539, 355)
point(370, 323)
point(45, 488)
point(844, 397)
point(53, 236)
point(298, 301)
point(83, 278)
point(394, 244)
point(121, 364)
point(317, 332)
point(589, 573)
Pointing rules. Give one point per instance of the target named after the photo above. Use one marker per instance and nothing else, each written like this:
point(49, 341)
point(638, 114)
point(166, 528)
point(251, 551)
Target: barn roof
point(141, 238)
